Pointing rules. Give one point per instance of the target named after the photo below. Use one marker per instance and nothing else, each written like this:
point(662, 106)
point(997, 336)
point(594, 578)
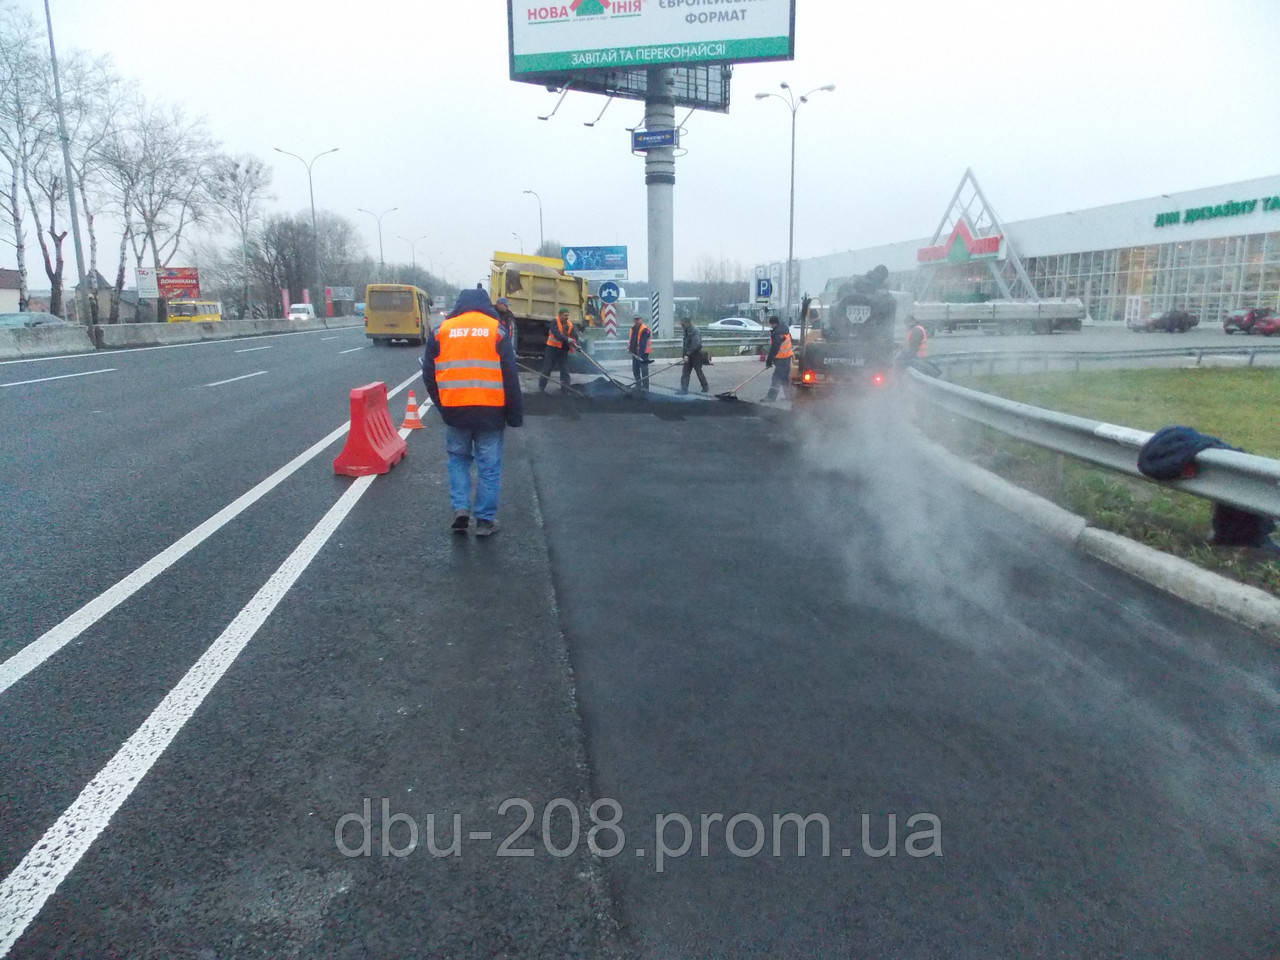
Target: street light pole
point(382, 266)
point(793, 104)
point(518, 240)
point(318, 294)
point(542, 240)
point(413, 250)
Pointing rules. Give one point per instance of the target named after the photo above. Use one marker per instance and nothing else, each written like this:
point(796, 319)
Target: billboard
point(595, 263)
point(172, 283)
point(564, 36)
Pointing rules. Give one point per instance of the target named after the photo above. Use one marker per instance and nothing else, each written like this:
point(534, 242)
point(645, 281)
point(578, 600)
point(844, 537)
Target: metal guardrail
point(602, 347)
point(1240, 479)
point(1046, 359)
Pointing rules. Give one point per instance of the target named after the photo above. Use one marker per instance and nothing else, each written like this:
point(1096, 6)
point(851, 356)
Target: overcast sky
point(1055, 106)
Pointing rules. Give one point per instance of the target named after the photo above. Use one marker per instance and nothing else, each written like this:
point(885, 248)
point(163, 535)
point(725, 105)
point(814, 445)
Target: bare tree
point(91, 92)
point(238, 187)
point(175, 158)
point(119, 168)
point(25, 127)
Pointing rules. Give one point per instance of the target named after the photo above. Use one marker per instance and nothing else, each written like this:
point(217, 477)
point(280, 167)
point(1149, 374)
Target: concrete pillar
point(660, 178)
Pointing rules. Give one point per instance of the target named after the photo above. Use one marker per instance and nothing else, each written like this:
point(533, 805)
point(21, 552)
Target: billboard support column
point(660, 178)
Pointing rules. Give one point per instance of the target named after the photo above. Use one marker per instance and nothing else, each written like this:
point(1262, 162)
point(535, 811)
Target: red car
point(1244, 319)
point(1266, 325)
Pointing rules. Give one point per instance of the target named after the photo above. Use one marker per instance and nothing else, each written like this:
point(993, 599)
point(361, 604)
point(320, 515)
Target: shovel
point(733, 393)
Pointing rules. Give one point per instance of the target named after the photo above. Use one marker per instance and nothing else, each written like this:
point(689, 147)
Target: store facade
point(1207, 251)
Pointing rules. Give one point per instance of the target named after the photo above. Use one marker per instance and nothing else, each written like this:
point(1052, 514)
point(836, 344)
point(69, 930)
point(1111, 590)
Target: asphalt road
point(693, 609)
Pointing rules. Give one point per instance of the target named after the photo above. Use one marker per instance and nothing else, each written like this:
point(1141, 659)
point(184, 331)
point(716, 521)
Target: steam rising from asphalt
point(1096, 666)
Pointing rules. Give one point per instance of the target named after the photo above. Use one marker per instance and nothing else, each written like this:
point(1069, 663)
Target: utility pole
point(317, 296)
point(82, 288)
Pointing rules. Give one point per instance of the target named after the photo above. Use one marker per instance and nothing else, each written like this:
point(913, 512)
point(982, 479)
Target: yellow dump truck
point(536, 288)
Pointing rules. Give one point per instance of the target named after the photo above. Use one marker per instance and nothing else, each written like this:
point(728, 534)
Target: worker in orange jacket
point(562, 337)
point(470, 373)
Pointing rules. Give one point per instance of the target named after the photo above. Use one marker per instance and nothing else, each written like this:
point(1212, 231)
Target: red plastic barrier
point(373, 446)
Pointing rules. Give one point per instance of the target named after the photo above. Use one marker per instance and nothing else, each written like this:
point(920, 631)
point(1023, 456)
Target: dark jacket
point(478, 418)
point(692, 341)
point(638, 341)
point(564, 340)
point(775, 341)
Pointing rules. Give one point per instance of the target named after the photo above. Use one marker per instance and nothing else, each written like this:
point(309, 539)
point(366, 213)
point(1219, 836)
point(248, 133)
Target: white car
point(740, 324)
point(301, 311)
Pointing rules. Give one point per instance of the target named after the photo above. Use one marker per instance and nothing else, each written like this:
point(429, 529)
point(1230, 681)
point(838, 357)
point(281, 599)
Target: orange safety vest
point(923, 350)
point(636, 334)
point(785, 351)
point(559, 328)
point(468, 371)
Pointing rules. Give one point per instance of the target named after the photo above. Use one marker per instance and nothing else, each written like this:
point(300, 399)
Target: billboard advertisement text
point(559, 36)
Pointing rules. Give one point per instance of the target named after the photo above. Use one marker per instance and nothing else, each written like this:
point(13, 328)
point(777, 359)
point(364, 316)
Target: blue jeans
point(485, 448)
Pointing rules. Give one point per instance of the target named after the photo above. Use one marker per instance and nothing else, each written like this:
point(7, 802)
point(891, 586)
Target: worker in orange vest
point(916, 344)
point(780, 354)
point(638, 344)
point(561, 339)
point(470, 372)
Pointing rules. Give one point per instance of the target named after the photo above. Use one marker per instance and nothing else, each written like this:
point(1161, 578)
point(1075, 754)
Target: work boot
point(461, 520)
point(486, 528)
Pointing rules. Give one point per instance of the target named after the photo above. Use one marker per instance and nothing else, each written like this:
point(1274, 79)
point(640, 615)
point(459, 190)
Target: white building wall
point(8, 301)
point(1114, 226)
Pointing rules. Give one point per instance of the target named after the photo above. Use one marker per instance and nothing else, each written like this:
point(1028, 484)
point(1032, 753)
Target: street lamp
point(382, 266)
point(793, 105)
point(318, 296)
point(413, 250)
point(541, 238)
point(518, 240)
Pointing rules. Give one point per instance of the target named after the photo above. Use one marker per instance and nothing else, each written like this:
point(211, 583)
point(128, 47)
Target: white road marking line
point(352, 350)
point(57, 637)
point(218, 383)
point(24, 892)
point(63, 376)
point(174, 346)
point(254, 349)
point(323, 339)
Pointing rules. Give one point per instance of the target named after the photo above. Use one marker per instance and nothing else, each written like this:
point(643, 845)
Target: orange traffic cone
point(411, 421)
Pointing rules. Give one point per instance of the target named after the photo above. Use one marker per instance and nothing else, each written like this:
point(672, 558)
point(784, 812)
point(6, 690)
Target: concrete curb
point(1245, 605)
point(125, 335)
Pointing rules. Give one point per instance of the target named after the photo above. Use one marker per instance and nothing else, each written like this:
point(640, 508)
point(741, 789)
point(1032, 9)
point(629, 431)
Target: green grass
point(1240, 406)
point(1237, 405)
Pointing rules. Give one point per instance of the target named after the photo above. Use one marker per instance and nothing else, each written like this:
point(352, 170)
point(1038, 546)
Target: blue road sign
point(648, 139)
point(610, 292)
point(764, 288)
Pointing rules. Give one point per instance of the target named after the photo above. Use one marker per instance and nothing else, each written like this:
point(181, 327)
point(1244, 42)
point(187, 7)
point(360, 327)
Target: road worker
point(470, 372)
point(694, 356)
point(508, 321)
point(638, 344)
point(780, 354)
point(562, 337)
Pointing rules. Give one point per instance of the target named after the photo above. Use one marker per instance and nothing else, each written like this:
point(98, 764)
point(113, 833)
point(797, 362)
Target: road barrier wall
point(25, 342)
point(120, 335)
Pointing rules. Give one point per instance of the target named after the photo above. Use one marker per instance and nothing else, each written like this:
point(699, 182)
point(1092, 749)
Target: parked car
point(301, 311)
point(738, 324)
point(1244, 319)
point(32, 318)
point(1171, 321)
point(1266, 326)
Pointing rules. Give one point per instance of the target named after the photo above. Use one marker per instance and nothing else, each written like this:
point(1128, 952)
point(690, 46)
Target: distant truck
point(537, 288)
point(1003, 316)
